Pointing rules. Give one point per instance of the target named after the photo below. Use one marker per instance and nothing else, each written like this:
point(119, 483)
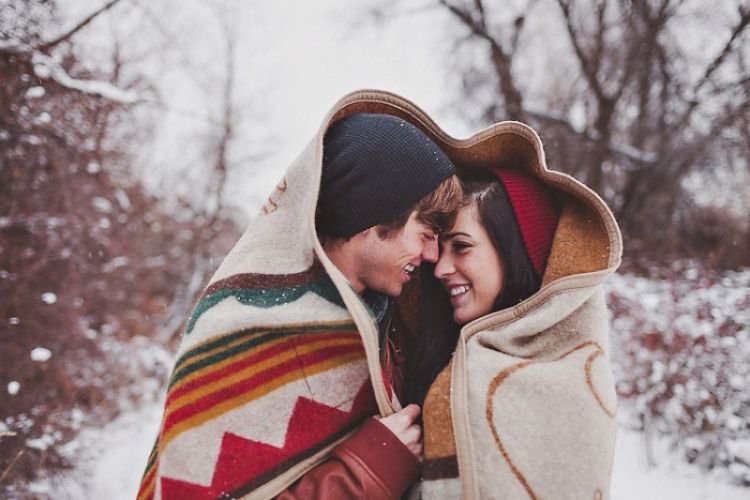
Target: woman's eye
point(460, 246)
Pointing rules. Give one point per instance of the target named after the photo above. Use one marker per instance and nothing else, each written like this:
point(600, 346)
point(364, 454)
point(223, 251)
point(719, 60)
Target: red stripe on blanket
point(244, 386)
point(146, 491)
point(246, 359)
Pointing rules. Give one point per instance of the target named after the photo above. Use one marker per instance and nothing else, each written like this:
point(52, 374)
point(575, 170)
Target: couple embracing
point(411, 315)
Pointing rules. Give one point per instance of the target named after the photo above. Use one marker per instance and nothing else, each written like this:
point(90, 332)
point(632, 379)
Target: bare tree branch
point(589, 72)
point(741, 26)
point(625, 151)
point(221, 164)
point(46, 46)
point(687, 154)
point(634, 49)
point(601, 27)
point(482, 18)
point(502, 62)
point(45, 66)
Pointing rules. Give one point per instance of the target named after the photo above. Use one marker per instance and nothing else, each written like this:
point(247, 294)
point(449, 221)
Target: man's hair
point(437, 210)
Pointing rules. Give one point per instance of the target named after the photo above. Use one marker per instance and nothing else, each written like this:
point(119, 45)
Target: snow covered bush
point(681, 352)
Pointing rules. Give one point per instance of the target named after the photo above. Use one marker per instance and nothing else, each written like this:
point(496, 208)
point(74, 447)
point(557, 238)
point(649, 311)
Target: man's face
point(386, 264)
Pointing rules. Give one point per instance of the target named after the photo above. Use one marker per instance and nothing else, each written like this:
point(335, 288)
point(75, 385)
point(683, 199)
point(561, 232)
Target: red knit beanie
point(535, 211)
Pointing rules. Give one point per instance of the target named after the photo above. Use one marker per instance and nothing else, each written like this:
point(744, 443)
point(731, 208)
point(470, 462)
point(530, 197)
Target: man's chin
point(394, 291)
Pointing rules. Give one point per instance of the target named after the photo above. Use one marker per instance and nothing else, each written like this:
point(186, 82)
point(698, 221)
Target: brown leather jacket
point(372, 463)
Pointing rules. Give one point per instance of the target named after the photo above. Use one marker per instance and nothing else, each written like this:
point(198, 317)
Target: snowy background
point(646, 467)
point(272, 68)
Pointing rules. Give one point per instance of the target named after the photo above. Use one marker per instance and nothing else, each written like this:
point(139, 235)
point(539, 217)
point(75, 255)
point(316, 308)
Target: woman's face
point(469, 267)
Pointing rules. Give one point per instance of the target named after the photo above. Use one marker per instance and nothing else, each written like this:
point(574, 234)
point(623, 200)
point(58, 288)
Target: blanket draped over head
point(279, 360)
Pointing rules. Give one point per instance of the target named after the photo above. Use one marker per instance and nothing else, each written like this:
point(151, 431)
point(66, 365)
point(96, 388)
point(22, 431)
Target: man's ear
point(366, 234)
point(374, 231)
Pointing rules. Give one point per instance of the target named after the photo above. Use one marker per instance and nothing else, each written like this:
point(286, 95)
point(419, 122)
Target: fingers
point(416, 449)
point(412, 438)
point(412, 434)
point(402, 425)
point(404, 417)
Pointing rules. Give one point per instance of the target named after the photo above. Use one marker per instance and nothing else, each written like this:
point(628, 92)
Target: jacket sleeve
point(371, 464)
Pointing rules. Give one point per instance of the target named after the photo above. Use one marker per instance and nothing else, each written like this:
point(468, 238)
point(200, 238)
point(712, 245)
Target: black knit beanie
point(375, 167)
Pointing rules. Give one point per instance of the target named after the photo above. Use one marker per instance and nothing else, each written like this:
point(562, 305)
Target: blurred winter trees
point(91, 260)
point(647, 101)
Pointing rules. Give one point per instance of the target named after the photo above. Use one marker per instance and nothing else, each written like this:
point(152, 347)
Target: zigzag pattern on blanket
point(312, 427)
point(230, 374)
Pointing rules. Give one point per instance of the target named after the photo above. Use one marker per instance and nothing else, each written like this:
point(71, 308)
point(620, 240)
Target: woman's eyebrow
point(450, 236)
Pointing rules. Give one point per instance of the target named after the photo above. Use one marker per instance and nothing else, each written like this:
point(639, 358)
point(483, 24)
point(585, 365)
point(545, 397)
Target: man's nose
point(431, 252)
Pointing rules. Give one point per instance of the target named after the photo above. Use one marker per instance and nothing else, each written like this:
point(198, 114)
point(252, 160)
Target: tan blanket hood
point(280, 361)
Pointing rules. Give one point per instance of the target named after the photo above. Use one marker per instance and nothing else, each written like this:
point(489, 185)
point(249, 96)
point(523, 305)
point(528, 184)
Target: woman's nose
point(444, 266)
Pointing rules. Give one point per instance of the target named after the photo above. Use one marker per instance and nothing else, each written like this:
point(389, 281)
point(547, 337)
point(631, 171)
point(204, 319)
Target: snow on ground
point(111, 459)
point(669, 479)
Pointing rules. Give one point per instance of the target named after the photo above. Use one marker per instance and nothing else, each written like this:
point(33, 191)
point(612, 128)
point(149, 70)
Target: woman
point(489, 260)
point(525, 409)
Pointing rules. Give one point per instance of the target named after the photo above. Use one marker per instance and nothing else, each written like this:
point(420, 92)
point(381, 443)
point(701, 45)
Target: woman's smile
point(457, 291)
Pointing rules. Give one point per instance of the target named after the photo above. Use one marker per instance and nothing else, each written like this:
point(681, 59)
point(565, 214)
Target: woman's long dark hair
point(436, 339)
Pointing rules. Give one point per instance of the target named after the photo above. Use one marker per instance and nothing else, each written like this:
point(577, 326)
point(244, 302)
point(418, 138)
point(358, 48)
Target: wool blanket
point(526, 410)
point(278, 362)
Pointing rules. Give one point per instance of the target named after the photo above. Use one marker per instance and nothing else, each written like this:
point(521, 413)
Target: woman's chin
point(461, 318)
point(463, 315)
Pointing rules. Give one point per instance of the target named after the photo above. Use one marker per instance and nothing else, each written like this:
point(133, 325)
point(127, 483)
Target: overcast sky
point(295, 58)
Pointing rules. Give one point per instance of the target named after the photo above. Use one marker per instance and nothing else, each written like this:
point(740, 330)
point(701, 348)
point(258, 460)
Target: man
point(387, 191)
point(279, 370)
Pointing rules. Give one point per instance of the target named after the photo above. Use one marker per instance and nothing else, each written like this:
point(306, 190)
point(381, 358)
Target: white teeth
point(459, 290)
point(409, 268)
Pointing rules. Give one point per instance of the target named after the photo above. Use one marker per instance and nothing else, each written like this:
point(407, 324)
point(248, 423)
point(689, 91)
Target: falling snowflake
point(40, 354)
point(13, 387)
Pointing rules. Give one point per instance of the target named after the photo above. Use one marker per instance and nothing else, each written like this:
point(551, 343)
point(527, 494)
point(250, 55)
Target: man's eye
point(429, 236)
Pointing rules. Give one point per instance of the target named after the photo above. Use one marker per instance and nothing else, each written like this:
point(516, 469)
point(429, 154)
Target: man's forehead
point(422, 226)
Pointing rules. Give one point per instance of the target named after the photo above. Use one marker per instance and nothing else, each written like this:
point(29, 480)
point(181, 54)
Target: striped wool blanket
point(278, 362)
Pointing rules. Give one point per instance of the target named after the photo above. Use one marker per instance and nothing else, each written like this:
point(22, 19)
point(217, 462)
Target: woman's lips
point(457, 292)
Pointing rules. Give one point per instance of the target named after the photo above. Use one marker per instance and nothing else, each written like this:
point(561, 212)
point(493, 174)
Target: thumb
point(412, 411)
